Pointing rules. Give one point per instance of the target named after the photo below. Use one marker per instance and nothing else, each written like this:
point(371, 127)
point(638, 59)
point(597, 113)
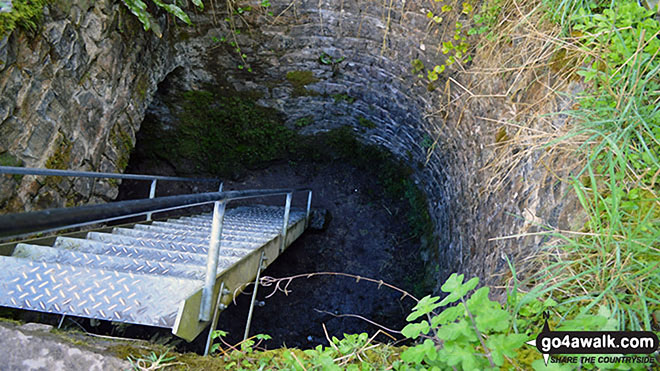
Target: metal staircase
point(172, 273)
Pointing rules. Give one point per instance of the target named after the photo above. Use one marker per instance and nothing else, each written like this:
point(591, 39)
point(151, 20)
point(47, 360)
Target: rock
point(32, 347)
point(319, 219)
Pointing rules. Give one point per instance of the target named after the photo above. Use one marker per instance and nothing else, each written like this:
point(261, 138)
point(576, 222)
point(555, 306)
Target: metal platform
point(152, 274)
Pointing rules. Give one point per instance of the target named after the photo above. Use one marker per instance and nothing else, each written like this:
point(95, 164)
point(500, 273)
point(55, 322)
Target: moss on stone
point(7, 159)
point(59, 161)
point(123, 144)
point(366, 123)
point(141, 87)
point(299, 79)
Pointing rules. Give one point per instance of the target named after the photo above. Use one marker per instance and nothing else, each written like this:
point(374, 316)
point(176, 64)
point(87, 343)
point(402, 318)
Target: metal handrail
point(91, 174)
point(64, 218)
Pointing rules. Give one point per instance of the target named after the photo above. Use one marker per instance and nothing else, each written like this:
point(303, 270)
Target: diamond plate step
point(93, 293)
point(138, 252)
point(194, 248)
point(203, 232)
point(120, 264)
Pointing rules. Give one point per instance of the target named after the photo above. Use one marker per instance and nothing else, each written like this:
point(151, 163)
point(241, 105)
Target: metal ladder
point(174, 274)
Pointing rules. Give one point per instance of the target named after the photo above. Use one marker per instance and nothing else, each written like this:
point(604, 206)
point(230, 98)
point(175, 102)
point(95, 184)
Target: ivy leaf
point(504, 345)
point(448, 315)
point(416, 354)
point(457, 289)
point(457, 330)
point(412, 330)
point(455, 354)
point(425, 306)
point(496, 319)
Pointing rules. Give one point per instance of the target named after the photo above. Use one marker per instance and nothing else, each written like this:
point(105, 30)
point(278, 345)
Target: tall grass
point(613, 264)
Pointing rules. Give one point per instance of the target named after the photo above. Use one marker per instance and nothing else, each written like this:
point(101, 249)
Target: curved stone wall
point(99, 72)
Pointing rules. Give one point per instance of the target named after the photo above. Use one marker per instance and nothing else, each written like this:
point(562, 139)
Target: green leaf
point(199, 4)
point(448, 315)
point(453, 283)
point(413, 330)
point(460, 330)
point(504, 345)
point(425, 306)
point(174, 10)
point(496, 319)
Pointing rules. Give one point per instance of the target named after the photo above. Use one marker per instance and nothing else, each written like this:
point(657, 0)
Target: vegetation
point(25, 14)
point(604, 276)
point(140, 10)
point(299, 79)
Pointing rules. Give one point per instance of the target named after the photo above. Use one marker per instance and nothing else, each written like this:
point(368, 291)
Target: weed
point(151, 362)
point(139, 9)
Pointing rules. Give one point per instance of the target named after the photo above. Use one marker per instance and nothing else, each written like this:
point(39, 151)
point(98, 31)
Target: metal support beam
point(254, 297)
point(218, 307)
point(152, 194)
point(212, 261)
point(285, 225)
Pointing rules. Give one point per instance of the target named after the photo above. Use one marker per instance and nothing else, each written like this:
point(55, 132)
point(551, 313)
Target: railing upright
point(285, 224)
point(212, 261)
point(152, 194)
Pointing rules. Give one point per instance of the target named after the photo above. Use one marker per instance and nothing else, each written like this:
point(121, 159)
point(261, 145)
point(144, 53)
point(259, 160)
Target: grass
point(611, 264)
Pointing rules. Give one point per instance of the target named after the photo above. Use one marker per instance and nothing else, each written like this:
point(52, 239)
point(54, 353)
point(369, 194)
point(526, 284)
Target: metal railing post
point(285, 225)
point(212, 261)
point(309, 208)
point(152, 194)
point(254, 296)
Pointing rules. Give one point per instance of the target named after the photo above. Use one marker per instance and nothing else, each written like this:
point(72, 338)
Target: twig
point(270, 281)
point(358, 317)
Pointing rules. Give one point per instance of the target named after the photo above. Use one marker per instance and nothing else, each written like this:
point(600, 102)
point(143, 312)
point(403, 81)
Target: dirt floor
point(367, 236)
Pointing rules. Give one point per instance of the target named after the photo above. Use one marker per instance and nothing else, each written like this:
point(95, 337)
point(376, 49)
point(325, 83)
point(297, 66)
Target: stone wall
point(73, 96)
point(98, 72)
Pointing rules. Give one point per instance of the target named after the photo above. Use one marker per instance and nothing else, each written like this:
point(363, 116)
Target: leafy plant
point(474, 334)
point(139, 9)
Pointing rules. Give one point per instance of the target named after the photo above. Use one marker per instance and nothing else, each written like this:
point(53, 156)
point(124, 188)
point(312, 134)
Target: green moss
point(299, 79)
point(366, 123)
point(7, 159)
point(141, 87)
point(304, 121)
point(343, 97)
point(26, 14)
point(59, 160)
point(124, 144)
point(222, 132)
